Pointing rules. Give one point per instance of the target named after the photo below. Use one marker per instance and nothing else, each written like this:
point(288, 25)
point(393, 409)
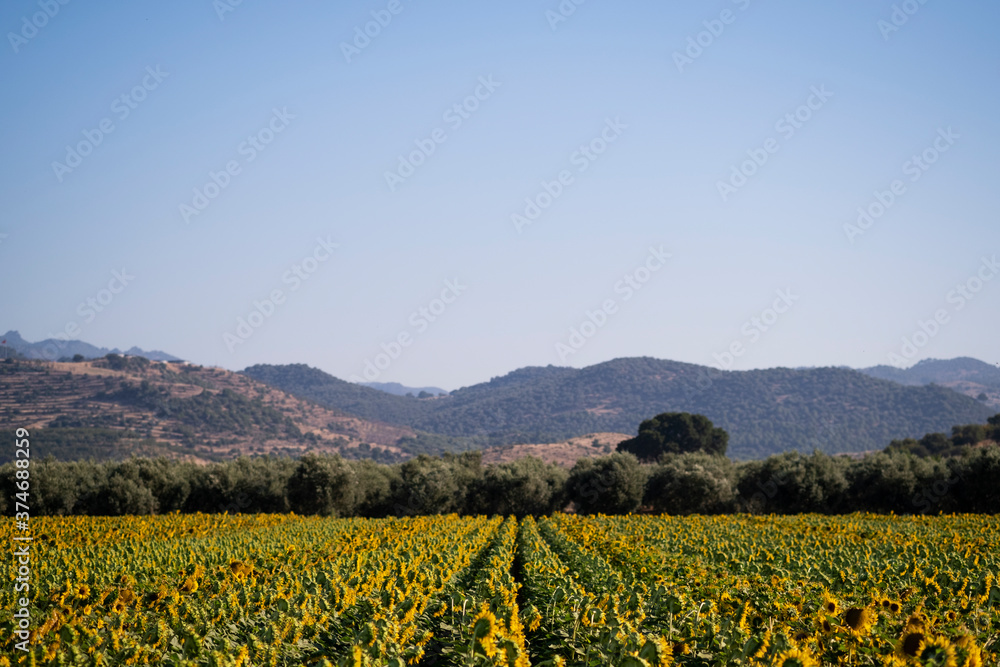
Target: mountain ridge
point(967, 375)
point(766, 411)
point(53, 349)
point(398, 389)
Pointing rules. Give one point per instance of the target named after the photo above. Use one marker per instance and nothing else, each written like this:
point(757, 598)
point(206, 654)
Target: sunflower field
point(795, 591)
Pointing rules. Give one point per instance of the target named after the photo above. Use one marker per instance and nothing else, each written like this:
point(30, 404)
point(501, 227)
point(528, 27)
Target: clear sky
point(650, 175)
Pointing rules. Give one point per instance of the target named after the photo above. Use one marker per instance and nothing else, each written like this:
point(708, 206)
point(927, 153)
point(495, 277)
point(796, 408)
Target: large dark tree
point(994, 421)
point(676, 433)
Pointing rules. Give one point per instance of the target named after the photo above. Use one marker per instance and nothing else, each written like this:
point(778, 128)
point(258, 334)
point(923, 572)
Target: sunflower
point(484, 627)
point(931, 584)
point(50, 652)
point(829, 604)
point(967, 648)
point(742, 622)
point(910, 642)
point(936, 652)
point(974, 658)
point(795, 657)
point(824, 624)
point(727, 603)
point(535, 617)
point(765, 644)
point(860, 620)
point(239, 568)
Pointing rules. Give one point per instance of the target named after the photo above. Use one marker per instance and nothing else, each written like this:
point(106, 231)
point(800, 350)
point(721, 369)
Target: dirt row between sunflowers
point(560, 590)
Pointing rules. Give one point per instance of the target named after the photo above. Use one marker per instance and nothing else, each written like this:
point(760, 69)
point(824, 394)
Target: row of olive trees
point(678, 484)
point(793, 483)
point(314, 484)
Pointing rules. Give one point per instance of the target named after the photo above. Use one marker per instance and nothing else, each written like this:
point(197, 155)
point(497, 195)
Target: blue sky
point(703, 185)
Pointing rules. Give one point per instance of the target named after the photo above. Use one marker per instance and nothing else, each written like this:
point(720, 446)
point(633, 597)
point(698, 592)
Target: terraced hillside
point(117, 406)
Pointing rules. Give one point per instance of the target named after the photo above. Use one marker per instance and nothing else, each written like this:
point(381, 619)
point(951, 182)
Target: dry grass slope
point(564, 453)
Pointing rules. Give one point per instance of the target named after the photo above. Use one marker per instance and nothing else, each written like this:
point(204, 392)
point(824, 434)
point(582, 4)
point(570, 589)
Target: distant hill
point(835, 410)
point(112, 408)
point(964, 374)
point(315, 385)
point(402, 390)
point(53, 349)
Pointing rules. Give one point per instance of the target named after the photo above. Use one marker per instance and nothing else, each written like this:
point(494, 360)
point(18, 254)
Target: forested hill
point(325, 389)
point(765, 411)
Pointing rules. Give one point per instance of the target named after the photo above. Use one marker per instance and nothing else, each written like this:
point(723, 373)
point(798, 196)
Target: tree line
point(894, 480)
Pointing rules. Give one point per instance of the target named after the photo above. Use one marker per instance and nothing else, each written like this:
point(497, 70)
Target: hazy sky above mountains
point(651, 176)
